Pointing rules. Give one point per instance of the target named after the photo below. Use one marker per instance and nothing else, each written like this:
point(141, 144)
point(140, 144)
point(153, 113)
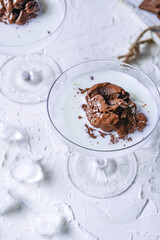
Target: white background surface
point(93, 29)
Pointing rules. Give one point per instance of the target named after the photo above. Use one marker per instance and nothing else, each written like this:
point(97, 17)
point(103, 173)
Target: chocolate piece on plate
point(110, 108)
point(151, 6)
point(18, 11)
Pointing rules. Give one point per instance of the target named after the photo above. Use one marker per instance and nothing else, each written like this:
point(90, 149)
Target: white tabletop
point(96, 29)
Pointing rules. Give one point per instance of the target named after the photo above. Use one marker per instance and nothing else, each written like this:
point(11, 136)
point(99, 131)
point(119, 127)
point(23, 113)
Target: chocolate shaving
point(102, 134)
point(83, 90)
point(90, 131)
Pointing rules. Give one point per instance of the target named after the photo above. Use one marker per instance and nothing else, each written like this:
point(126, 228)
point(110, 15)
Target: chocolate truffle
point(18, 11)
point(110, 109)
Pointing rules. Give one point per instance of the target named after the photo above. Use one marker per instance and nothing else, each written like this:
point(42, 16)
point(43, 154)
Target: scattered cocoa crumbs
point(114, 139)
point(91, 77)
point(102, 134)
point(80, 117)
point(48, 32)
point(77, 92)
point(129, 139)
point(90, 131)
point(83, 90)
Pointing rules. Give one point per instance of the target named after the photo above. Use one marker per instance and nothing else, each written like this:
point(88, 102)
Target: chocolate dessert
point(18, 11)
point(151, 6)
point(110, 109)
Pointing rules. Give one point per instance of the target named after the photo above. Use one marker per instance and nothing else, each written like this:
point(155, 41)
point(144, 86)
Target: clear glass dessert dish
point(28, 77)
point(97, 167)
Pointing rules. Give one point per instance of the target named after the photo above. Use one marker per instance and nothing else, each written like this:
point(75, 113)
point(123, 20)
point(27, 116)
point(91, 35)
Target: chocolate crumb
point(91, 77)
point(48, 32)
point(144, 105)
point(90, 131)
point(129, 139)
point(84, 106)
point(80, 117)
point(83, 90)
point(102, 134)
point(114, 139)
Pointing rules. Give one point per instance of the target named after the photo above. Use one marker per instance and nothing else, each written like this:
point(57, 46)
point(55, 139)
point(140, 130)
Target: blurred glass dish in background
point(27, 79)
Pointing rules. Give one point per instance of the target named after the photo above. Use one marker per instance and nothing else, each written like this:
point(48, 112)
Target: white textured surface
point(93, 29)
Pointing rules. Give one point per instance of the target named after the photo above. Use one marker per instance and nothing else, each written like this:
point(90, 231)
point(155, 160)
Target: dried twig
point(134, 49)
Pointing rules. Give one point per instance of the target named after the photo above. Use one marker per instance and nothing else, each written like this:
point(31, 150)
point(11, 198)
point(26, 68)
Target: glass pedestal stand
point(110, 170)
point(27, 79)
point(102, 178)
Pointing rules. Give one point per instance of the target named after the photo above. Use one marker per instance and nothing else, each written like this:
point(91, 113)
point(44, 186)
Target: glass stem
point(102, 163)
point(44, 52)
point(30, 74)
